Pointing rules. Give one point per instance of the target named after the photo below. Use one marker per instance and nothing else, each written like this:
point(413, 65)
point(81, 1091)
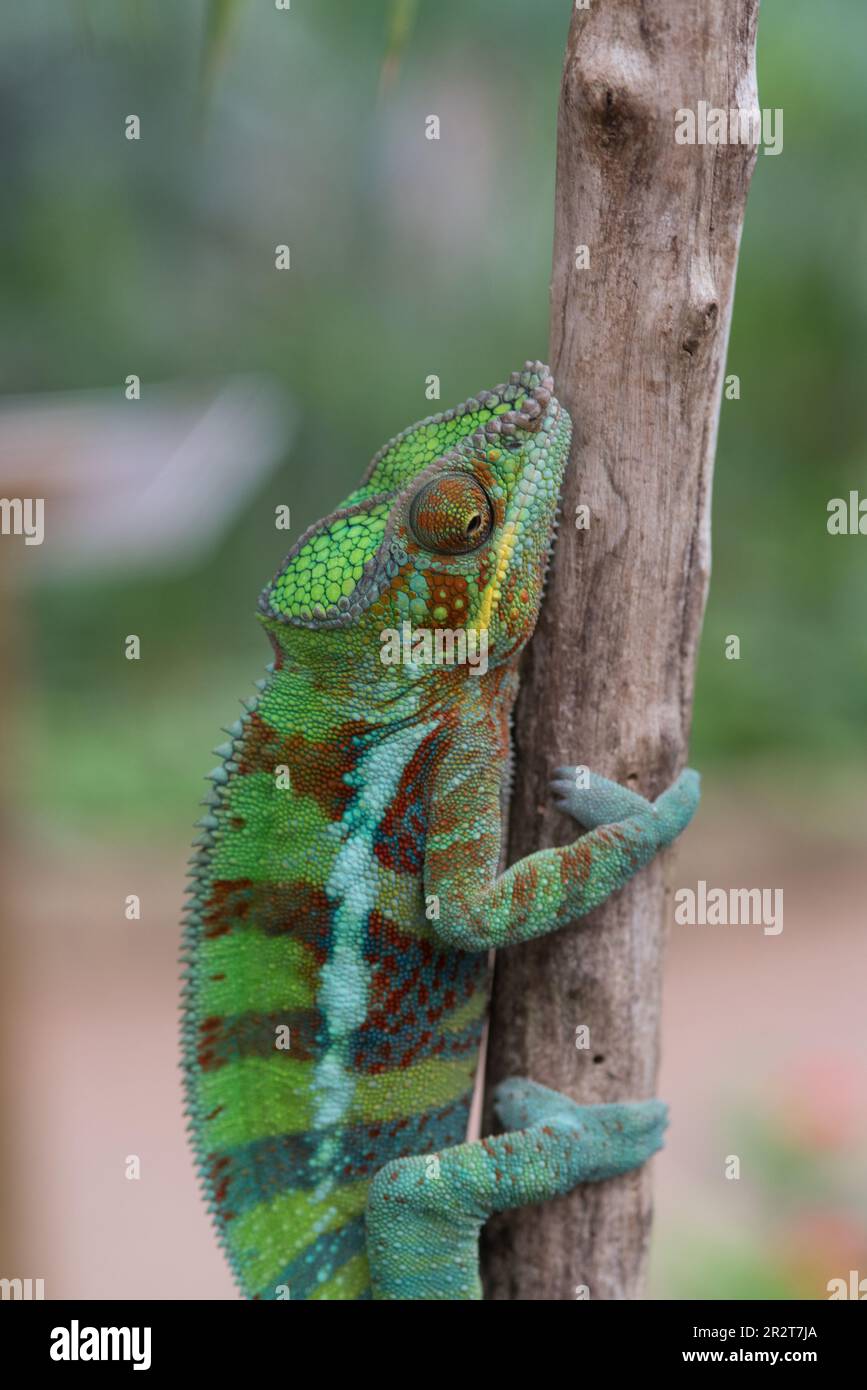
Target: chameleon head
point(450, 530)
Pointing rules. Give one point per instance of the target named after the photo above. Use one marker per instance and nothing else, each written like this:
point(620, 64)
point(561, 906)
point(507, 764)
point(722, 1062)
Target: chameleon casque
point(345, 889)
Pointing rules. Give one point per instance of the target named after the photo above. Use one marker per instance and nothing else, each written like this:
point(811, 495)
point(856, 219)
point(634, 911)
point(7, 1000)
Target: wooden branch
point(638, 343)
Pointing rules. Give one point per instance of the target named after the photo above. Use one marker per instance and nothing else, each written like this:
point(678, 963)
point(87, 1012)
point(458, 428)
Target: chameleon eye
point(452, 515)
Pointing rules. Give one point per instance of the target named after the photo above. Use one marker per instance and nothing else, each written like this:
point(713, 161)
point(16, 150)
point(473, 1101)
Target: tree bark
point(638, 344)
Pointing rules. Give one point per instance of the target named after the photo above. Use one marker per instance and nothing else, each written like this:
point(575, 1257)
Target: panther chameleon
point(345, 888)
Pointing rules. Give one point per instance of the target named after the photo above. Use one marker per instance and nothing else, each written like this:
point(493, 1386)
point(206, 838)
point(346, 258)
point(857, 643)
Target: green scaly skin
point(344, 892)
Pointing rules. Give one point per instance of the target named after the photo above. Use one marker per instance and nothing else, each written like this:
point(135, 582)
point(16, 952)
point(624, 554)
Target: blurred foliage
point(219, 18)
point(795, 1217)
point(408, 257)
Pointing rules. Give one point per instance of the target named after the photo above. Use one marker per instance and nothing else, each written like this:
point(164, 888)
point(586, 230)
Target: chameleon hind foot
point(424, 1213)
point(605, 1140)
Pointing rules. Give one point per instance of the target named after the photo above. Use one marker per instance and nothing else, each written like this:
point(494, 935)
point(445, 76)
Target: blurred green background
point(408, 258)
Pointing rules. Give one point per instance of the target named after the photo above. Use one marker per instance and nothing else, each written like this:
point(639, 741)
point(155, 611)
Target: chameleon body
point(345, 891)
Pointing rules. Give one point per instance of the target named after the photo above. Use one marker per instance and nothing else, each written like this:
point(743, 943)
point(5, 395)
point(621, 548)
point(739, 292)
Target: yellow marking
point(492, 589)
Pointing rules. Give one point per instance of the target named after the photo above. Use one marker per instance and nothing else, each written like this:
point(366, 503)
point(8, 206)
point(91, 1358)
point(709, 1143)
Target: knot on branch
point(617, 107)
point(700, 324)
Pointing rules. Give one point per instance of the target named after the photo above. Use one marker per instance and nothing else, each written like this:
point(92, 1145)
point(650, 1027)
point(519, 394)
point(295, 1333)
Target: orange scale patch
point(449, 591)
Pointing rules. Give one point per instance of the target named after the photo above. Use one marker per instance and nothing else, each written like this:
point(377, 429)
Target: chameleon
point(346, 895)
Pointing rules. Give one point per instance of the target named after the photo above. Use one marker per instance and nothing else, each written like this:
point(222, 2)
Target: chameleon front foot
point(602, 802)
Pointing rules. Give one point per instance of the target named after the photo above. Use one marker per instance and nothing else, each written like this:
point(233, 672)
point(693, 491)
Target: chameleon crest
point(345, 892)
